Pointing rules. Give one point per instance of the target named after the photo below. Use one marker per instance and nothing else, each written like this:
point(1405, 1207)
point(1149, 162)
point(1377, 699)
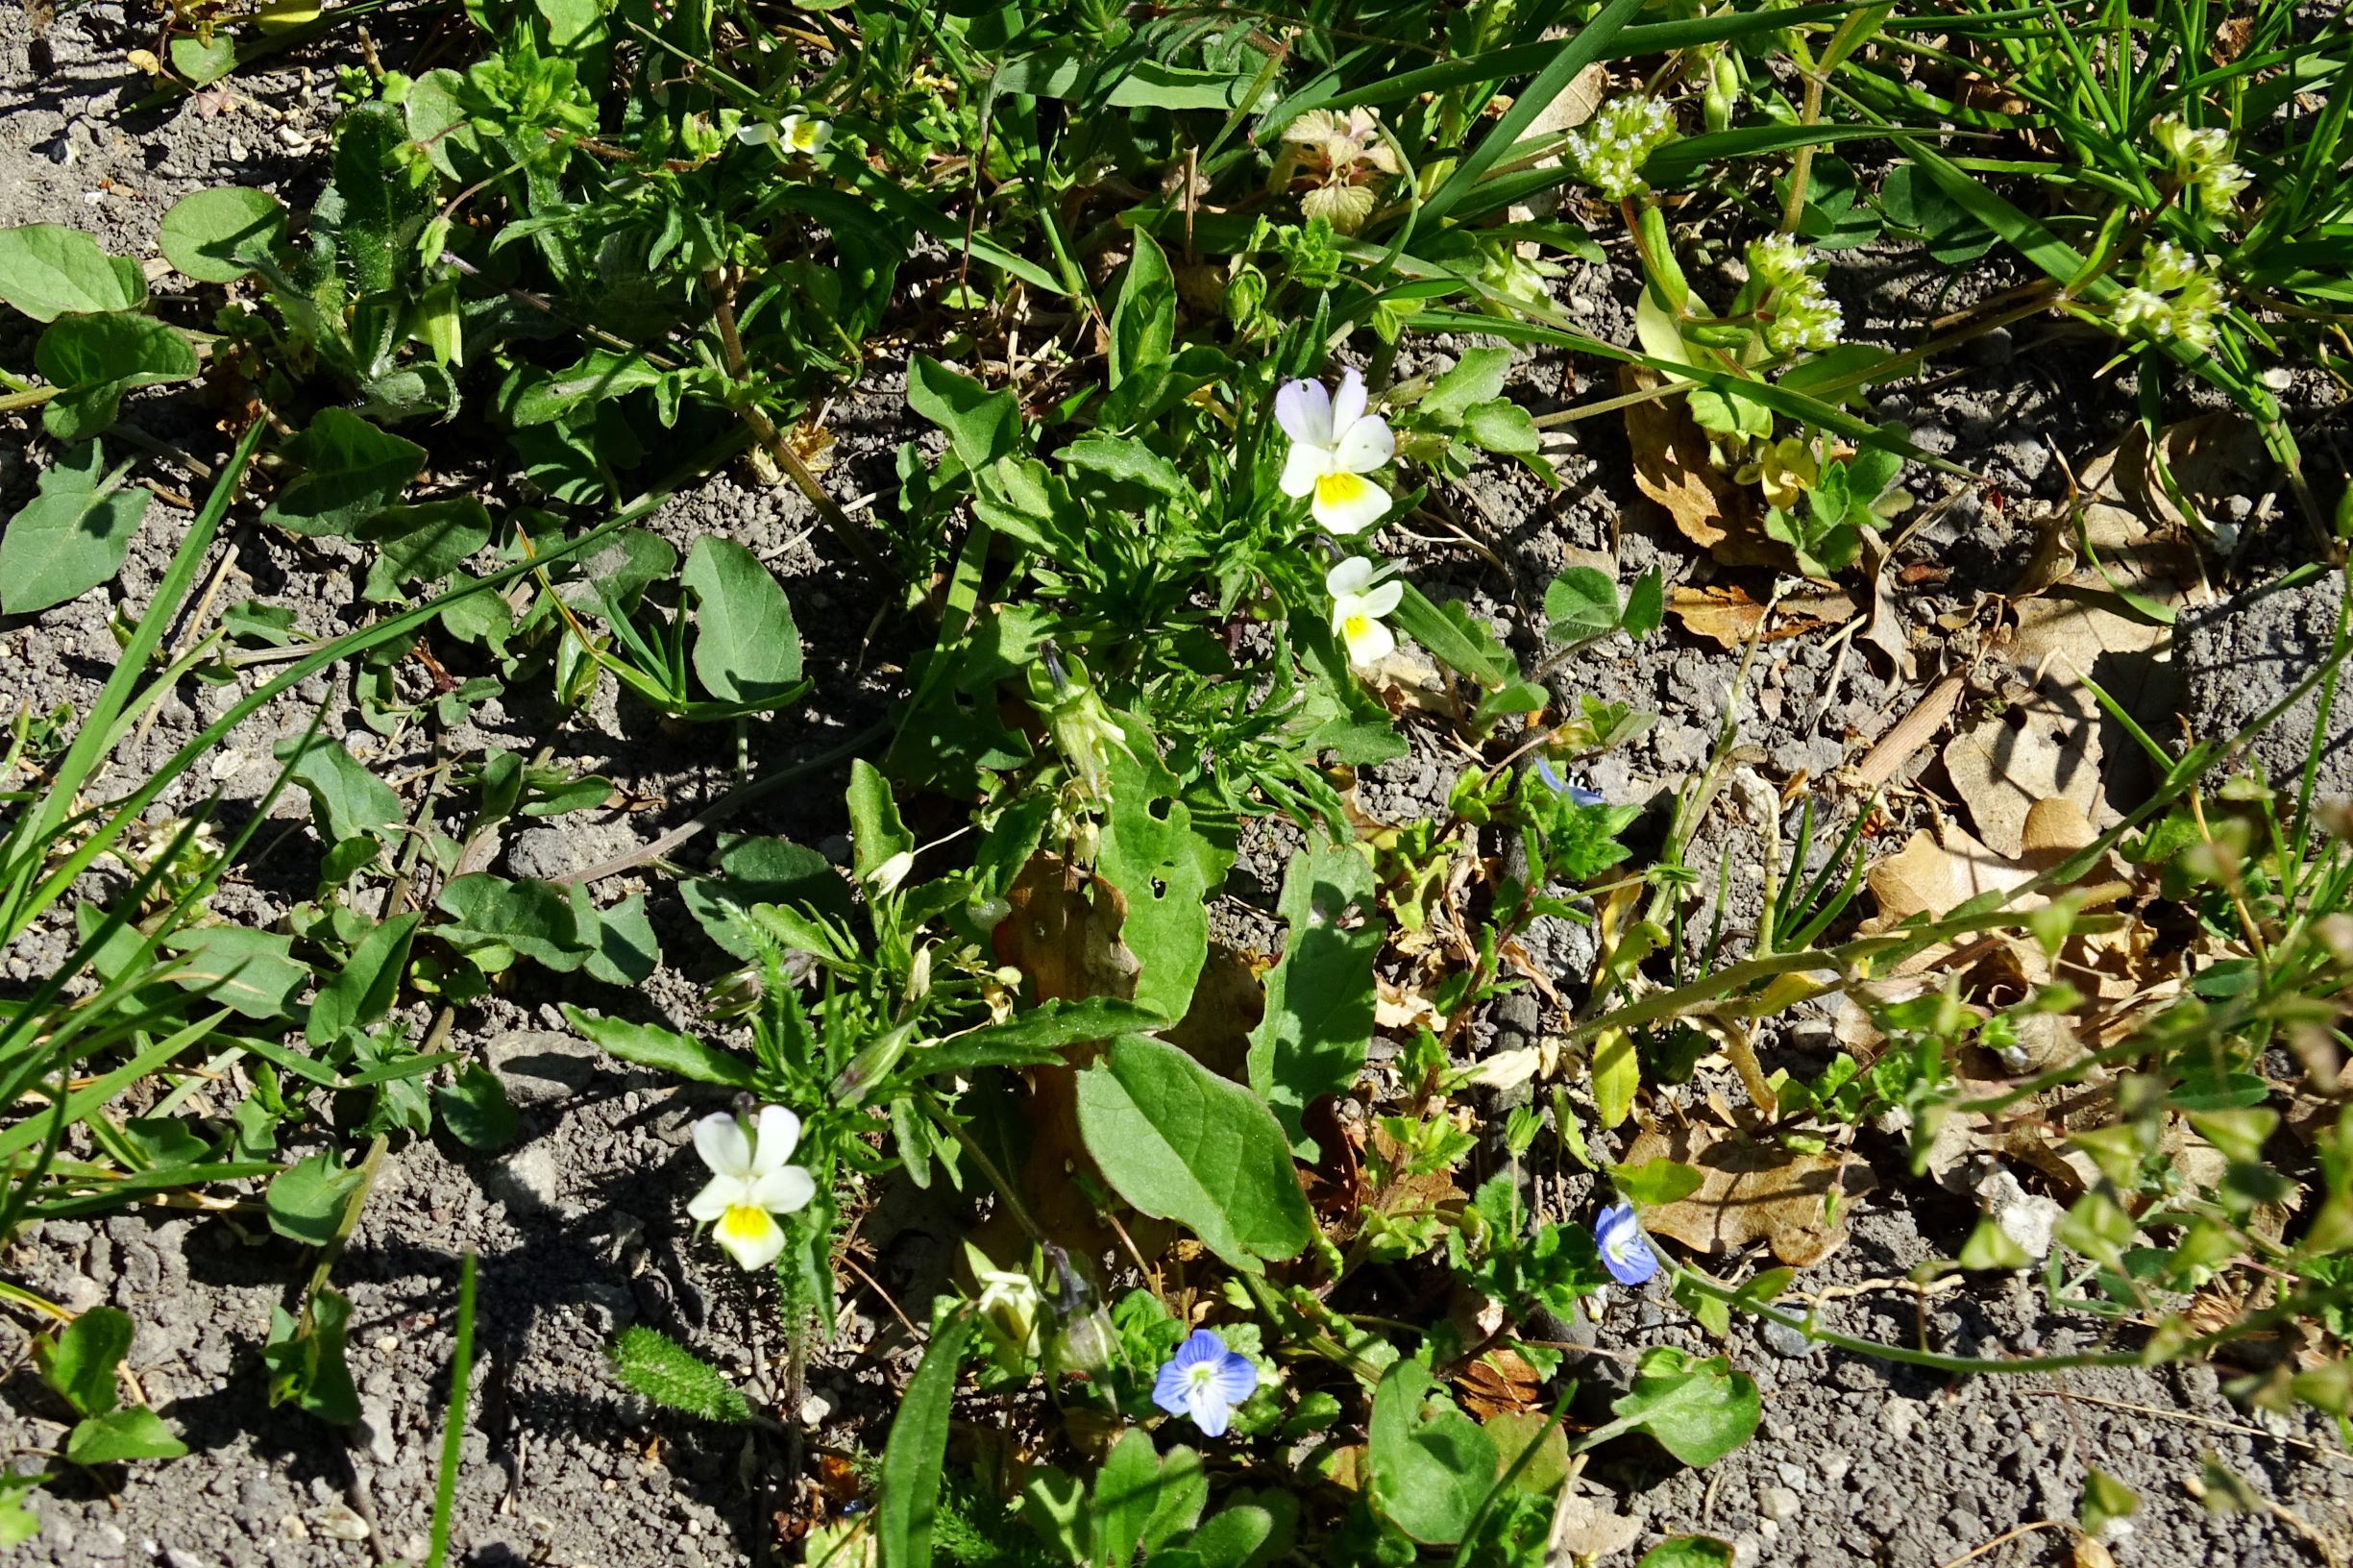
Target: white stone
point(1778, 1503)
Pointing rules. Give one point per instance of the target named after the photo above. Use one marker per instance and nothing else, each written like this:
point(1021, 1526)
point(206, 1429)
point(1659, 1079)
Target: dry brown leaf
point(1932, 878)
point(1675, 466)
point(1726, 614)
point(1500, 1380)
point(2045, 748)
point(1748, 1192)
point(1228, 1002)
point(1884, 628)
point(1404, 1007)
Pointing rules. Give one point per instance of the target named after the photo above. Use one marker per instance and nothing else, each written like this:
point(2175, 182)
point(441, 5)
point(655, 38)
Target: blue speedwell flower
point(1624, 1252)
point(1205, 1381)
point(1578, 793)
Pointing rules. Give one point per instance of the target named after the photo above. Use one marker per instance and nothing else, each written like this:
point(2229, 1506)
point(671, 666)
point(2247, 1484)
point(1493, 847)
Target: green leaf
point(308, 1363)
point(1502, 427)
point(674, 1377)
point(1037, 1036)
point(915, 1454)
point(1455, 638)
point(72, 536)
point(626, 952)
point(1654, 1182)
point(1688, 1552)
point(423, 544)
point(211, 234)
point(1319, 999)
point(351, 471)
point(96, 359)
point(361, 990)
point(380, 206)
point(474, 1107)
point(650, 1046)
point(876, 834)
point(754, 871)
point(1144, 322)
point(1179, 1142)
point(981, 425)
point(204, 63)
point(1125, 1490)
point(306, 1200)
point(134, 1434)
point(2105, 1500)
point(47, 271)
point(252, 971)
point(1428, 1473)
point(1698, 1411)
point(1581, 604)
point(1477, 378)
point(1617, 1074)
point(747, 648)
point(79, 1362)
point(346, 800)
point(1148, 853)
point(536, 918)
point(1646, 604)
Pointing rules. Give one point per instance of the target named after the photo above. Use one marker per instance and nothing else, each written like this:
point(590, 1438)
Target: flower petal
point(1201, 1348)
point(1347, 503)
point(1382, 597)
point(1168, 1389)
point(1365, 445)
point(723, 1144)
point(784, 1190)
point(750, 1235)
point(1348, 404)
point(1301, 467)
point(1304, 410)
point(777, 1134)
point(1368, 639)
point(1350, 576)
point(716, 1195)
point(1237, 1379)
point(1208, 1409)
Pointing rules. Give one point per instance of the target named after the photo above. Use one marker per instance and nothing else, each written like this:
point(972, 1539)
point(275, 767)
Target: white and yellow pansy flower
point(1334, 443)
point(1361, 593)
point(750, 1183)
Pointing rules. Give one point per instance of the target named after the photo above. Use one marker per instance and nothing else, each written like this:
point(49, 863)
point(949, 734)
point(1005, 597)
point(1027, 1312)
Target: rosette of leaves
point(1853, 496)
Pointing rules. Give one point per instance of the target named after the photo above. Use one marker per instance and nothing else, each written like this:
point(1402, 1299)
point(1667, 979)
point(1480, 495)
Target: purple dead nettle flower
point(1205, 1381)
point(1625, 1252)
point(1578, 794)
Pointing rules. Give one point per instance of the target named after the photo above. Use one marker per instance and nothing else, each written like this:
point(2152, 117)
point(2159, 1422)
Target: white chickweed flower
point(750, 1183)
point(1334, 443)
point(1361, 593)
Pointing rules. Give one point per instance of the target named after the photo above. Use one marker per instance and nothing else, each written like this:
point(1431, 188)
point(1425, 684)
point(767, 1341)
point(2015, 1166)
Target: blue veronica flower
point(1625, 1252)
point(1578, 793)
point(1205, 1381)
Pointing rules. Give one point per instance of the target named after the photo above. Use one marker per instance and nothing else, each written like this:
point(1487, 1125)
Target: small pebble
point(1783, 1341)
point(1778, 1503)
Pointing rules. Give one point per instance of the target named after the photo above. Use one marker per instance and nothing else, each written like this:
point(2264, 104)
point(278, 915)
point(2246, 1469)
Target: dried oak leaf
point(1749, 1192)
point(1675, 467)
point(1724, 613)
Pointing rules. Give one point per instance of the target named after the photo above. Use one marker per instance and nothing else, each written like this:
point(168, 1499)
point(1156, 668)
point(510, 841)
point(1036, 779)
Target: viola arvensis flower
point(750, 1183)
point(1361, 595)
point(1334, 443)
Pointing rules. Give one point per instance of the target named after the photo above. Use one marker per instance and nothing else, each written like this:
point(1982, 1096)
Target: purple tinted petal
point(1304, 410)
point(1168, 1389)
point(1348, 403)
point(1202, 1348)
point(1237, 1379)
point(1209, 1412)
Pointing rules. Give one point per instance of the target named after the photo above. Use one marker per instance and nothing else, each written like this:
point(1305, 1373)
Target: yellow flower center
point(745, 1222)
point(804, 136)
point(1355, 627)
point(1339, 489)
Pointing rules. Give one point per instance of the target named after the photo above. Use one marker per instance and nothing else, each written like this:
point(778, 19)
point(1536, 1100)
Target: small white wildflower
point(2220, 186)
point(2166, 267)
point(1360, 597)
point(1777, 260)
point(2198, 158)
point(803, 134)
point(2143, 312)
point(1609, 150)
point(1334, 443)
point(750, 1183)
point(1804, 317)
